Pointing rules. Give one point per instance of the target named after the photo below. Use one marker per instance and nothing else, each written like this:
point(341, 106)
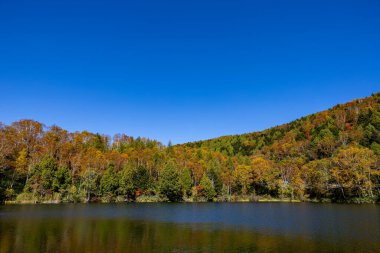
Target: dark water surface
point(208, 227)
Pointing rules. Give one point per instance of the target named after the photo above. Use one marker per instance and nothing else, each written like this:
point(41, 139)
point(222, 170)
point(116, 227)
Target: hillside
point(319, 134)
point(332, 155)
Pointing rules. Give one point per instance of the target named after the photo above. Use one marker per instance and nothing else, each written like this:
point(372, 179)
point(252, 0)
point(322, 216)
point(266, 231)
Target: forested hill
point(333, 155)
point(315, 136)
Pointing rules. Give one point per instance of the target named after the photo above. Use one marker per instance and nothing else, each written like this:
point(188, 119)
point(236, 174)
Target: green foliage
point(375, 119)
point(134, 181)
point(99, 142)
point(141, 178)
point(46, 170)
point(109, 182)
point(186, 181)
point(207, 188)
point(90, 182)
point(215, 176)
point(62, 179)
point(376, 148)
point(126, 184)
point(169, 183)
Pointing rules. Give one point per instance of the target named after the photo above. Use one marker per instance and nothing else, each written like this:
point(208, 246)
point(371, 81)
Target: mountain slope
point(321, 133)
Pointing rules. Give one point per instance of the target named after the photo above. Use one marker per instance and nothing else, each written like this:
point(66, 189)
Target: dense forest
point(333, 155)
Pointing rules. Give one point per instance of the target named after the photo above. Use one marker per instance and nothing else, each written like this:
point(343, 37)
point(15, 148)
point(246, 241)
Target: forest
point(330, 156)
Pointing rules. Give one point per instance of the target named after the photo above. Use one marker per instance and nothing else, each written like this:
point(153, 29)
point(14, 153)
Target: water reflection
point(190, 228)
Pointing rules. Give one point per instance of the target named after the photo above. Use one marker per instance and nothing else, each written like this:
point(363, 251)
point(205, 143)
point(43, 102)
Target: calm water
point(208, 227)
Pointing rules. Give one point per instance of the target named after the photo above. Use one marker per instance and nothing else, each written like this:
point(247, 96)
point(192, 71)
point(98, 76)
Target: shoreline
point(274, 200)
point(13, 202)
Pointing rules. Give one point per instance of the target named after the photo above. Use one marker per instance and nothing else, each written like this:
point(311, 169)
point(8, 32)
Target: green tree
point(214, 173)
point(169, 183)
point(109, 182)
point(127, 185)
point(186, 181)
point(62, 179)
point(375, 119)
point(90, 183)
point(48, 177)
point(47, 169)
point(134, 181)
point(141, 178)
point(375, 147)
point(207, 188)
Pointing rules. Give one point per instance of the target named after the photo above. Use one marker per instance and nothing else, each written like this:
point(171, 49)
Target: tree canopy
point(332, 154)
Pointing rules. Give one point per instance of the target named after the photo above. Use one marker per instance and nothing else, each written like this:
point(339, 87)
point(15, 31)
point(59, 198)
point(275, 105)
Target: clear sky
point(183, 70)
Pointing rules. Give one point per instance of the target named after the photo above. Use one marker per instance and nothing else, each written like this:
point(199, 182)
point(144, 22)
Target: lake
point(187, 227)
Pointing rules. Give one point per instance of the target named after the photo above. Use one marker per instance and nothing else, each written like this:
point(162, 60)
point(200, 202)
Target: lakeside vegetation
point(333, 155)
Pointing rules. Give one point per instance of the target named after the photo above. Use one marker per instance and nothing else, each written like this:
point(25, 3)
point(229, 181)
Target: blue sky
point(183, 70)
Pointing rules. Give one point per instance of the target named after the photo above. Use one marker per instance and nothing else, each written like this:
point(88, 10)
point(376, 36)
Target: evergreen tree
point(186, 181)
point(62, 179)
point(127, 185)
point(207, 187)
point(109, 182)
point(169, 183)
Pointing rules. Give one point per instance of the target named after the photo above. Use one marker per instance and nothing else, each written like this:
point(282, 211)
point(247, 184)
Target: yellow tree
point(28, 135)
point(316, 175)
point(291, 180)
point(264, 174)
point(53, 141)
point(353, 169)
point(22, 163)
point(243, 177)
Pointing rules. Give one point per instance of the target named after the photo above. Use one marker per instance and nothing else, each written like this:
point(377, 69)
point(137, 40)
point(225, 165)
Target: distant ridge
point(342, 118)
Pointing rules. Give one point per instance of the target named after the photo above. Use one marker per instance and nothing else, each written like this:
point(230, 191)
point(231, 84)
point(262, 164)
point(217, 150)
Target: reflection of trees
point(115, 235)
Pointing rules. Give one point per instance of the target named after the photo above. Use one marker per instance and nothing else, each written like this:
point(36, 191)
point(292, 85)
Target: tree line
point(333, 155)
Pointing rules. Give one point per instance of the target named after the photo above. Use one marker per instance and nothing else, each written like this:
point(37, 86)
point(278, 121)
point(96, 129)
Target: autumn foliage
point(331, 155)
